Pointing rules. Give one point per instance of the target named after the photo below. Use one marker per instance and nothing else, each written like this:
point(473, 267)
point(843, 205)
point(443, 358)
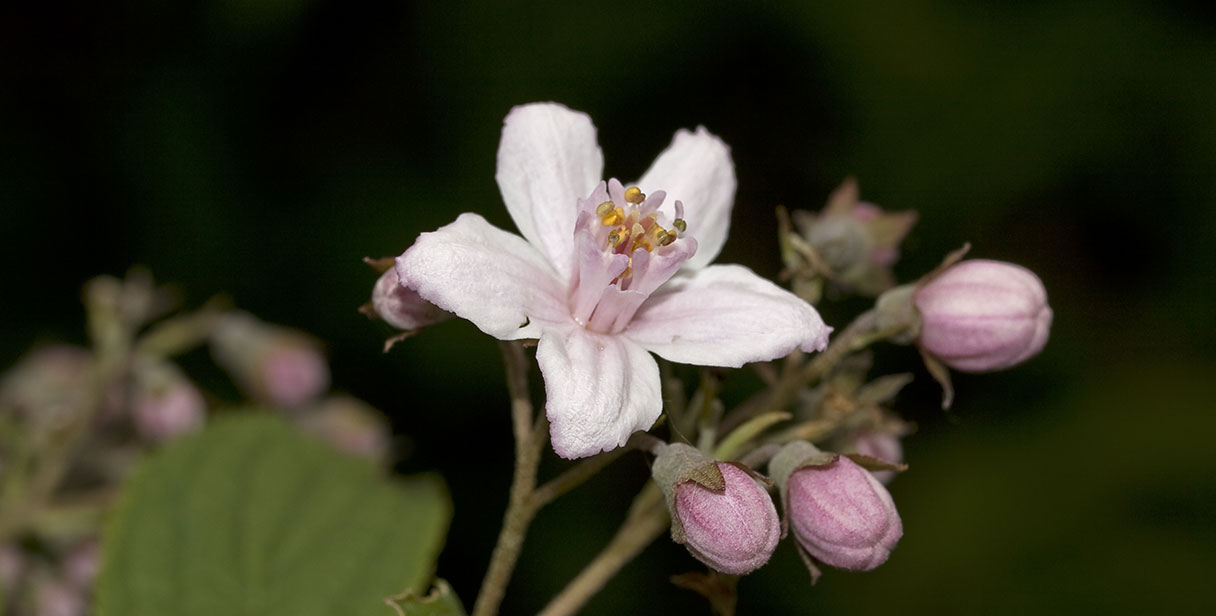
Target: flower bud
point(401, 306)
point(57, 597)
point(166, 403)
point(350, 426)
point(46, 383)
point(718, 510)
point(980, 315)
point(880, 446)
point(857, 242)
point(273, 364)
point(12, 565)
point(840, 514)
point(81, 563)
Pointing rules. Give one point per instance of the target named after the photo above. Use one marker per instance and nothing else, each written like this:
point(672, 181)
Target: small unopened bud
point(401, 306)
point(57, 597)
point(273, 364)
point(718, 510)
point(81, 564)
point(880, 446)
point(855, 242)
point(12, 565)
point(350, 426)
point(980, 316)
point(840, 514)
point(166, 403)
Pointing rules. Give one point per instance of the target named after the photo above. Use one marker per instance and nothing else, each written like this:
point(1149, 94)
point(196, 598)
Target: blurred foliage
point(263, 148)
point(251, 517)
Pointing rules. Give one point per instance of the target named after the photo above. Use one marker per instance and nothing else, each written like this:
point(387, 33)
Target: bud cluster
point(973, 316)
point(90, 413)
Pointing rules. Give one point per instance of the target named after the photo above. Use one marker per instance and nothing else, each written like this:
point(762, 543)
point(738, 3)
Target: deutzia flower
point(605, 274)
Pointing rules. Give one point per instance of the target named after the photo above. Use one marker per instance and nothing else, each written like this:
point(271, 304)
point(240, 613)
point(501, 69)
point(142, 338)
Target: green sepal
point(440, 601)
point(678, 463)
point(870, 463)
point(940, 373)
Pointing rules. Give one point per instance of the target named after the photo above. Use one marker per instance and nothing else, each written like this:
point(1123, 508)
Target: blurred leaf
point(251, 517)
point(441, 601)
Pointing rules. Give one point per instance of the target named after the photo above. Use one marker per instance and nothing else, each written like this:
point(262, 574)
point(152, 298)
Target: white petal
point(725, 315)
point(484, 274)
point(696, 169)
point(599, 389)
point(548, 159)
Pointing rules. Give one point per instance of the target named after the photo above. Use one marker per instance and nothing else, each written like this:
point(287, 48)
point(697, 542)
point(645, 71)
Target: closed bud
point(980, 315)
point(401, 306)
point(856, 242)
point(272, 364)
point(12, 566)
point(81, 564)
point(879, 445)
point(840, 514)
point(718, 510)
point(350, 426)
point(166, 403)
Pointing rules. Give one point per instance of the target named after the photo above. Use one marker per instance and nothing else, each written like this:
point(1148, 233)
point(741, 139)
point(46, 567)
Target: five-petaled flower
point(606, 274)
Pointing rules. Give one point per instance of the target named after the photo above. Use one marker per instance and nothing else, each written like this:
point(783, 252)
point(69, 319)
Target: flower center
point(633, 230)
point(624, 250)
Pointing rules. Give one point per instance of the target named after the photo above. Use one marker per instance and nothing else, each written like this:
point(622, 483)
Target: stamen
point(612, 218)
point(618, 236)
point(640, 240)
point(680, 224)
point(604, 208)
point(634, 195)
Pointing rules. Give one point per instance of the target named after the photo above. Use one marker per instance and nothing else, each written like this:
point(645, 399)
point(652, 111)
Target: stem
point(526, 499)
point(573, 477)
point(854, 337)
point(646, 521)
point(519, 512)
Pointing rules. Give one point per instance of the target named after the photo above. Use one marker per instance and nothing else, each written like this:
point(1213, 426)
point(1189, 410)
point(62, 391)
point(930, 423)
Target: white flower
point(605, 275)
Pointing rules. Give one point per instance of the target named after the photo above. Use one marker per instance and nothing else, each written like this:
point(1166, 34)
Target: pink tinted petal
point(696, 169)
point(725, 315)
point(599, 390)
point(484, 274)
point(547, 160)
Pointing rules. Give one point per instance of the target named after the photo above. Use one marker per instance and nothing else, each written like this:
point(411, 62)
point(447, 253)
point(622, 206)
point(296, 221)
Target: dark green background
point(262, 148)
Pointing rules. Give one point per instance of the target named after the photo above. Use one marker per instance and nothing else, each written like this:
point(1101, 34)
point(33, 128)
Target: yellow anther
point(618, 236)
point(640, 240)
point(612, 218)
point(679, 224)
point(668, 237)
point(634, 195)
point(604, 208)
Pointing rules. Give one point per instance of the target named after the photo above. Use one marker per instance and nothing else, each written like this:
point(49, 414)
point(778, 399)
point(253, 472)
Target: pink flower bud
point(980, 316)
point(12, 565)
point(166, 404)
point(880, 446)
point(350, 426)
point(55, 597)
point(401, 306)
point(842, 516)
point(734, 530)
point(81, 564)
point(293, 374)
point(272, 364)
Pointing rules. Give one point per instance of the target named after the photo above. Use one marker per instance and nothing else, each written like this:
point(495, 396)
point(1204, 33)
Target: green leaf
point(441, 601)
point(251, 517)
